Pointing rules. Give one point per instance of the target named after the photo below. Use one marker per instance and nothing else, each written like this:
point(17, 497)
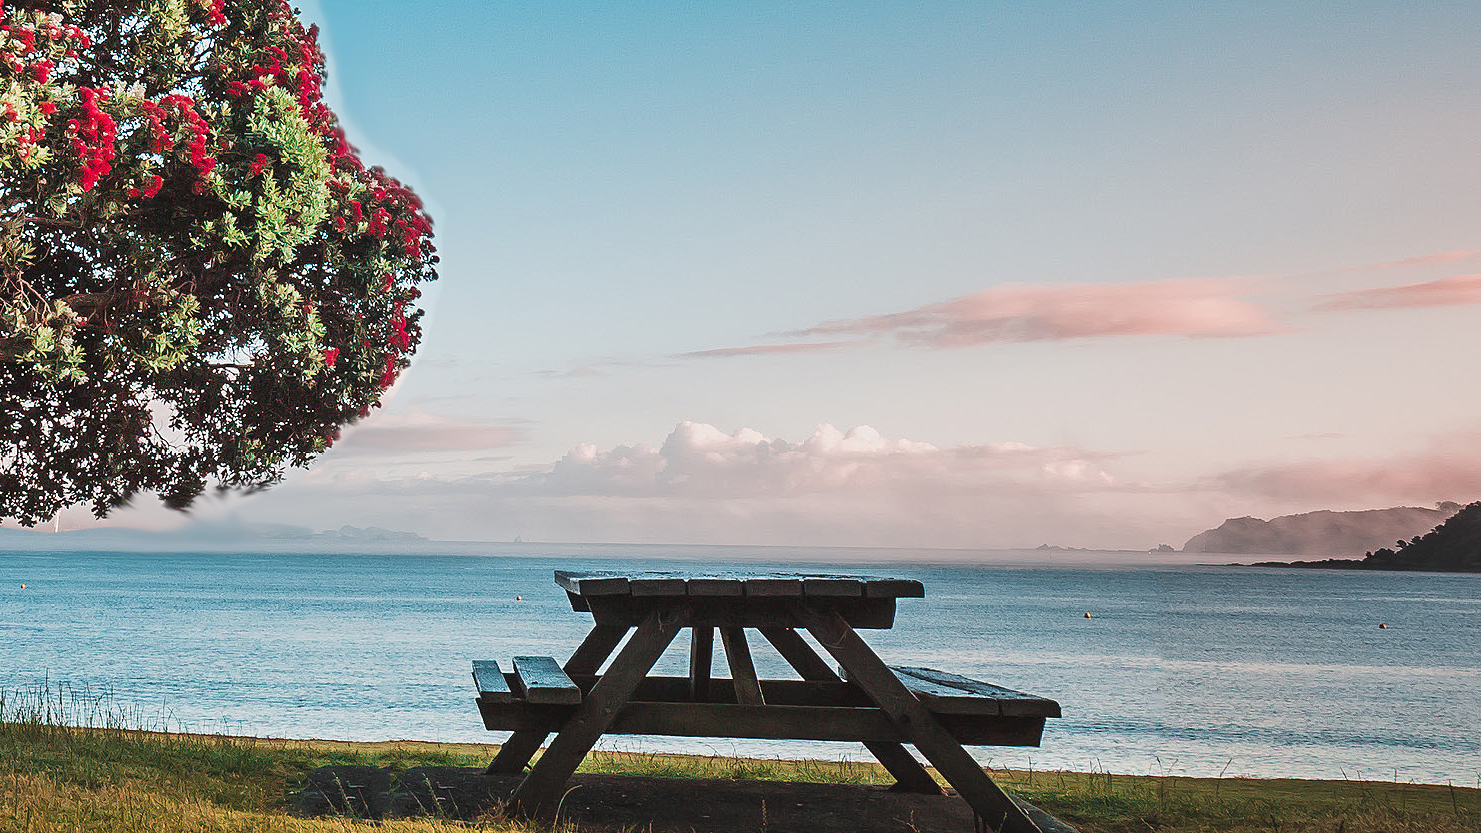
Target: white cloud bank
point(701, 461)
point(704, 485)
point(847, 488)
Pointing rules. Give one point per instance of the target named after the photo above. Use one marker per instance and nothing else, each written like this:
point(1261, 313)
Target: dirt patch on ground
point(612, 803)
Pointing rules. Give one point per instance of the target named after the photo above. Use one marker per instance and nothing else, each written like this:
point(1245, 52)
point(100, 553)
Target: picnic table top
point(760, 584)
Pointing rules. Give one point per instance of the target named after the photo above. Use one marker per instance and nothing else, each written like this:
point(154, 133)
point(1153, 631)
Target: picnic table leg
point(910, 776)
point(742, 670)
point(701, 653)
point(540, 790)
point(916, 722)
point(515, 752)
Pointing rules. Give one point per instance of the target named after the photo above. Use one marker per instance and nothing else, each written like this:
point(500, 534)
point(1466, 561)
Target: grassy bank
point(106, 776)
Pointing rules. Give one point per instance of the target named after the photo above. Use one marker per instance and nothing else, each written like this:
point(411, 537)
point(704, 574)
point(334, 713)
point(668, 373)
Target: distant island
point(1321, 533)
point(1452, 547)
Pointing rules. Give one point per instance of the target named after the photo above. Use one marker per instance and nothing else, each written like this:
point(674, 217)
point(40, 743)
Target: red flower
point(93, 136)
point(331, 356)
point(258, 164)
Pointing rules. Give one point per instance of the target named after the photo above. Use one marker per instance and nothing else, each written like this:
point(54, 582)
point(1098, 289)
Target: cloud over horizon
point(858, 488)
point(1449, 469)
point(700, 460)
point(704, 485)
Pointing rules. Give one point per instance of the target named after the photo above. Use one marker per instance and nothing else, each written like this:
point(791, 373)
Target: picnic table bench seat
point(537, 695)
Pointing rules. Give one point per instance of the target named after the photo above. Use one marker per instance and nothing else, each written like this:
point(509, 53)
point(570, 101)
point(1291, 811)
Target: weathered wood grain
point(701, 657)
point(742, 611)
point(541, 680)
point(773, 585)
point(893, 588)
point(733, 583)
point(742, 669)
point(593, 584)
point(715, 585)
point(828, 586)
point(950, 686)
point(657, 585)
point(769, 722)
point(490, 682)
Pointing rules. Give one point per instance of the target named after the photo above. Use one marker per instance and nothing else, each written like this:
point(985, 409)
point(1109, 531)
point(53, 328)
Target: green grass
point(69, 761)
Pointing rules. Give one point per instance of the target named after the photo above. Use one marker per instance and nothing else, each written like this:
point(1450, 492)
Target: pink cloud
point(1429, 259)
point(1183, 307)
point(765, 350)
point(1448, 472)
point(1446, 292)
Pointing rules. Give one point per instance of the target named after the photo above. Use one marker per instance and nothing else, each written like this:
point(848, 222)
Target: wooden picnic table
point(882, 706)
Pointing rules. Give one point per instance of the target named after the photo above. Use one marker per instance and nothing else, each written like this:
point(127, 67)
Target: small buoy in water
point(23, 587)
point(1087, 615)
point(1383, 626)
point(522, 598)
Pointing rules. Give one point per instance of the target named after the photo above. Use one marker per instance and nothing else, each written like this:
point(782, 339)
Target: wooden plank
point(817, 692)
point(1009, 702)
point(876, 587)
point(744, 611)
point(539, 793)
point(541, 680)
point(769, 722)
point(701, 657)
point(714, 584)
point(592, 583)
point(657, 584)
point(798, 654)
point(742, 670)
point(769, 586)
point(832, 586)
point(915, 721)
point(594, 649)
point(722, 690)
point(490, 682)
point(700, 583)
point(944, 699)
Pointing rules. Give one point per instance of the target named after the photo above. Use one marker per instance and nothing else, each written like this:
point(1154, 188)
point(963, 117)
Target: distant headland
point(1452, 547)
point(1321, 533)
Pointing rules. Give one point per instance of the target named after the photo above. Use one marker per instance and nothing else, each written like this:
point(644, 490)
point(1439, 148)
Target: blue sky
point(1092, 276)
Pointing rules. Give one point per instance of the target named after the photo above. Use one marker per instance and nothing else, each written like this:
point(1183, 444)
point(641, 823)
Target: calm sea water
point(1183, 669)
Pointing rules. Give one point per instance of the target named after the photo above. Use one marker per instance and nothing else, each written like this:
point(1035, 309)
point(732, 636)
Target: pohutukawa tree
point(200, 283)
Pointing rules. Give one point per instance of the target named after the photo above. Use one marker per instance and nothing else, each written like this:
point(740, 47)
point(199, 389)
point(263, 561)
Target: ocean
point(1183, 668)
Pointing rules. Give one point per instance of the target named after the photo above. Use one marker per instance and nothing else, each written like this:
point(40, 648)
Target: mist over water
point(1182, 669)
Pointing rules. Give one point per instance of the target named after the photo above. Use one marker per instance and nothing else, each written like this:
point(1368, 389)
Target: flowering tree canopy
point(199, 280)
